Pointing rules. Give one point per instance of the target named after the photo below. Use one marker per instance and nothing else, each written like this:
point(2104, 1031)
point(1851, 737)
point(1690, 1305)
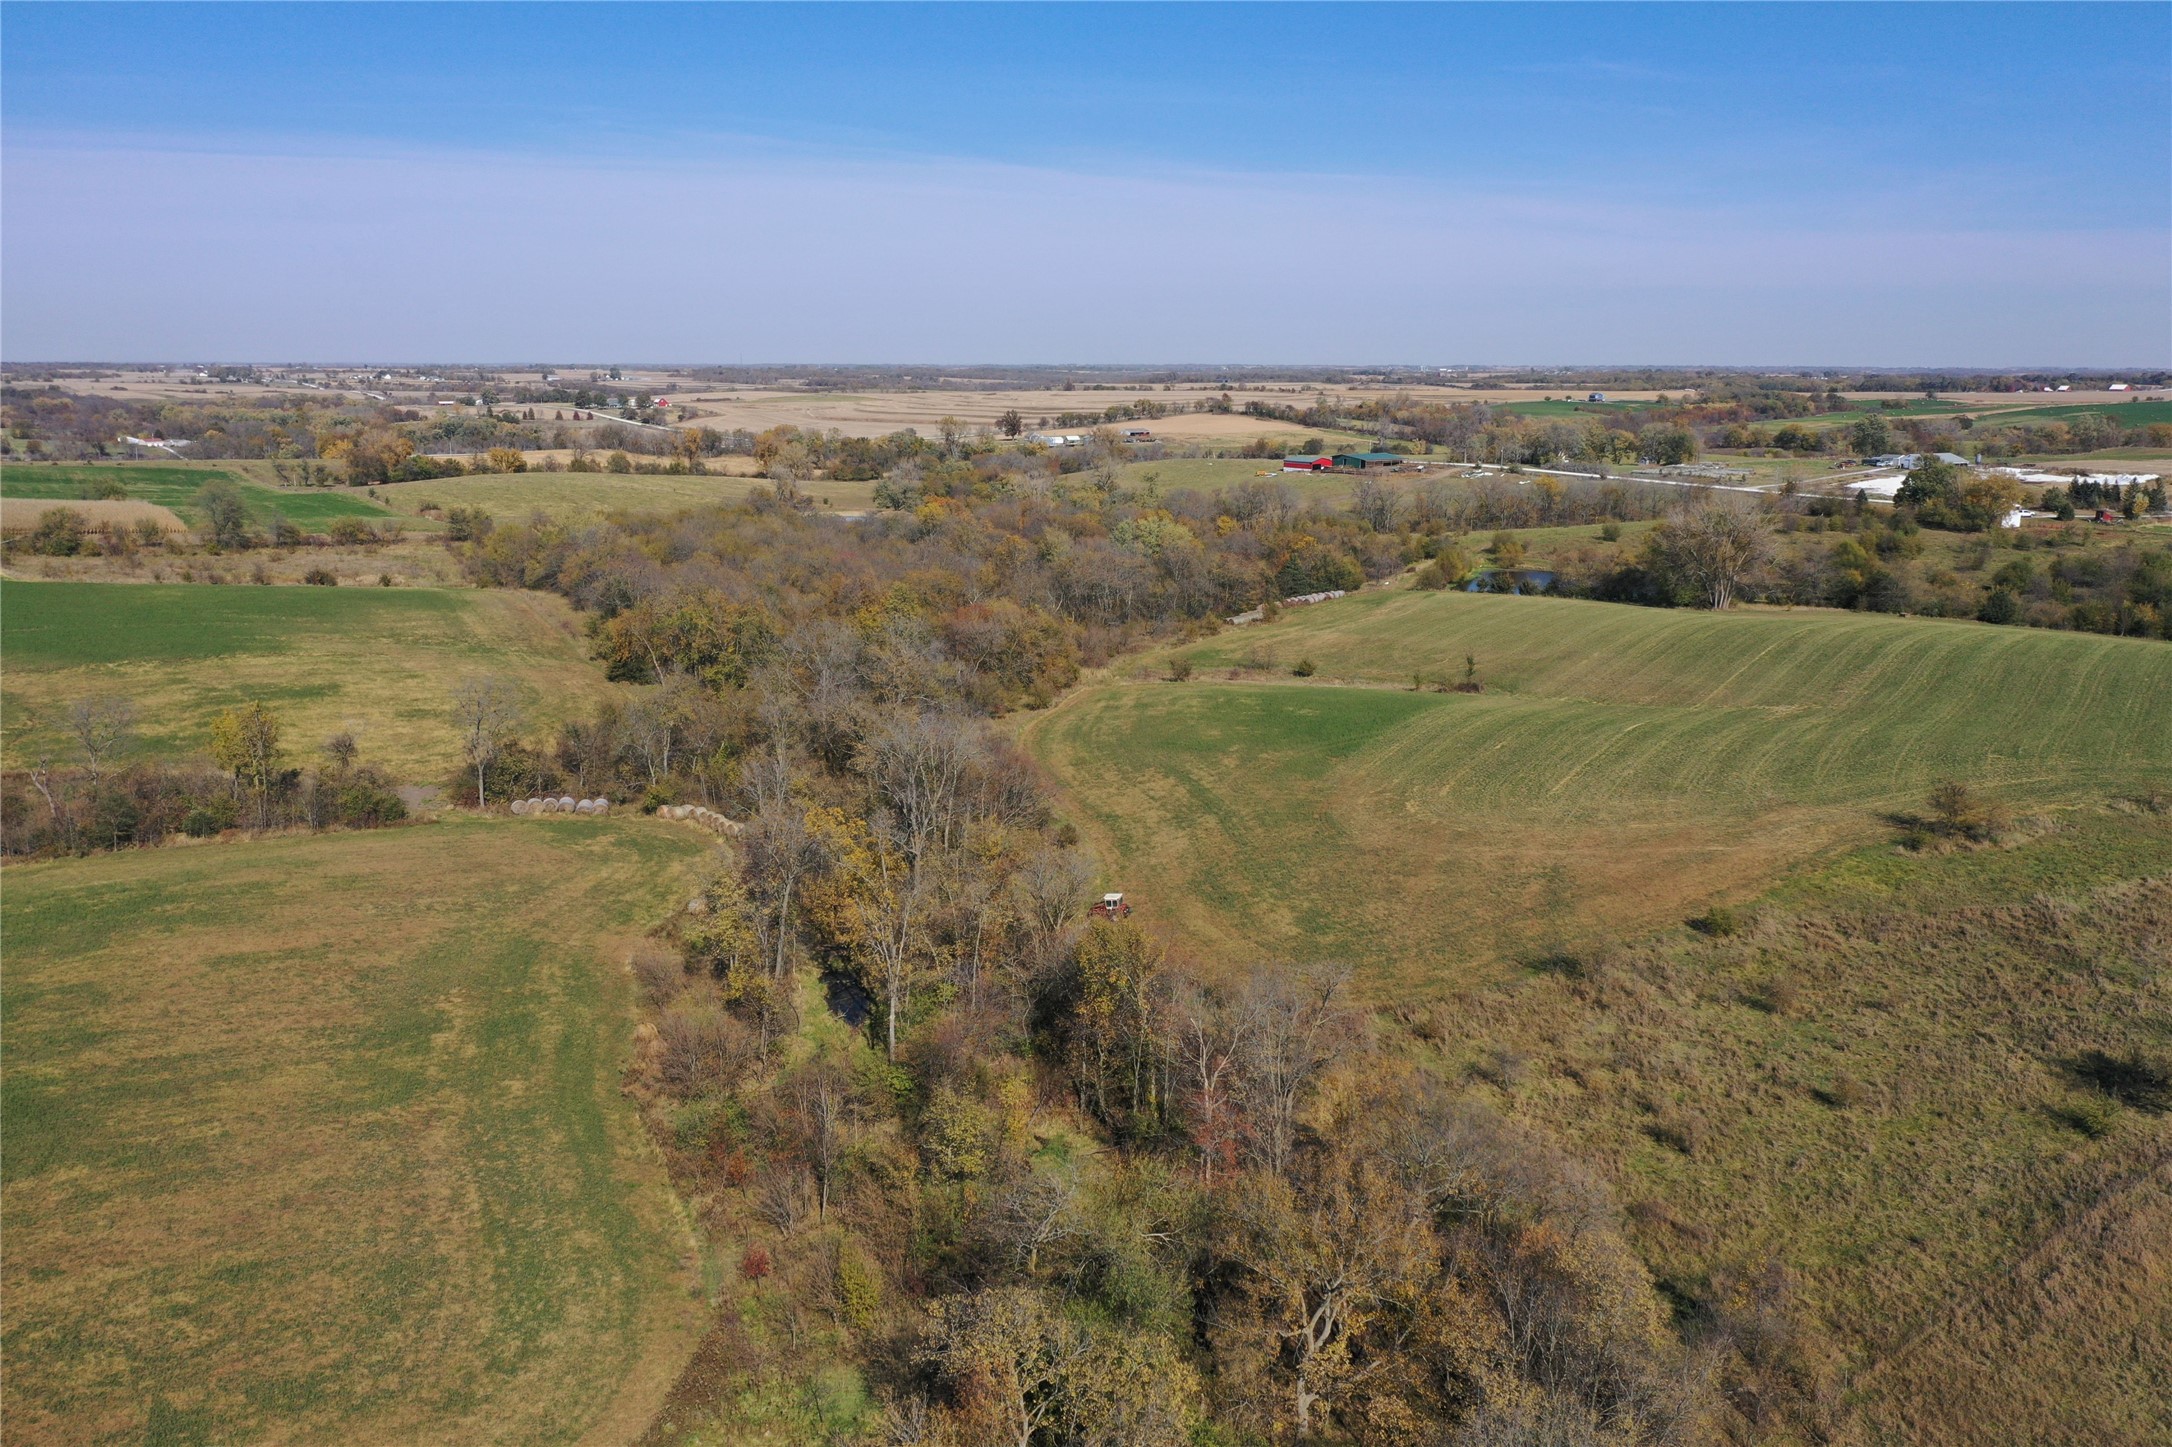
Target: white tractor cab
point(1110, 906)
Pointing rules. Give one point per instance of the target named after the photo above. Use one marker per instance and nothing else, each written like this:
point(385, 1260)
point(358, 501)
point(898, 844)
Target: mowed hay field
point(320, 1139)
point(578, 496)
point(380, 662)
point(1625, 766)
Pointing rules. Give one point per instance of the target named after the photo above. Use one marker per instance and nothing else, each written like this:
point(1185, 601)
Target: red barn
point(1308, 464)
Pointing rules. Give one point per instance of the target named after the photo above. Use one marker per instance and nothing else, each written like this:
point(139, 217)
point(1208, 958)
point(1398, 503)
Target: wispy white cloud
point(763, 252)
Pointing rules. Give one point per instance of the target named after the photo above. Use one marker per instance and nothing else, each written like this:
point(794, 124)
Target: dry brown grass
point(21, 514)
point(1970, 1265)
point(409, 563)
point(2088, 1309)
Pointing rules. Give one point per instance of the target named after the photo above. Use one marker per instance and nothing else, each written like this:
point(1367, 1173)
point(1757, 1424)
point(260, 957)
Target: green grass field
point(2126, 414)
point(175, 486)
point(572, 495)
point(1623, 767)
point(381, 662)
point(320, 1139)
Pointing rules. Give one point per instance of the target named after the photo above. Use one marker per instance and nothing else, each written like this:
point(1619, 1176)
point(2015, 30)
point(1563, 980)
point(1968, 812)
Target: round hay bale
point(519, 806)
point(582, 806)
point(565, 801)
point(603, 806)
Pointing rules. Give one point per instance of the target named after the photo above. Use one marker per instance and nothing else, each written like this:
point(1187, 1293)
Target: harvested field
point(1623, 766)
point(351, 1163)
point(575, 495)
point(379, 662)
point(871, 414)
point(21, 514)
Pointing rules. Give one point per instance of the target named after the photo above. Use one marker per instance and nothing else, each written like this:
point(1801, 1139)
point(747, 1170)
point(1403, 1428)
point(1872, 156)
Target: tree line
point(100, 791)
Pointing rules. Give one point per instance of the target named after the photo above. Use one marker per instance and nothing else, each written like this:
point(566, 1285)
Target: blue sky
point(1852, 184)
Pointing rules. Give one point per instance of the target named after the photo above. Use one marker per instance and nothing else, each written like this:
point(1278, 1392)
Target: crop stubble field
point(381, 663)
point(1623, 767)
point(320, 1139)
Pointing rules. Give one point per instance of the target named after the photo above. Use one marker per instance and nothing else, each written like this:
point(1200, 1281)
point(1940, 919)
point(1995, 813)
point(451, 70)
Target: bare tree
point(488, 712)
point(1376, 503)
point(103, 728)
point(1034, 1210)
point(342, 750)
point(1208, 1042)
point(975, 909)
point(821, 1106)
point(919, 765)
point(781, 852)
point(1049, 892)
point(650, 728)
point(1713, 545)
point(586, 749)
point(1294, 1025)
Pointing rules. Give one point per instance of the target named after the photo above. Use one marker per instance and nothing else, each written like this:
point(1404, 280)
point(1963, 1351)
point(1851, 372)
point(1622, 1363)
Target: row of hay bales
point(566, 805)
point(701, 814)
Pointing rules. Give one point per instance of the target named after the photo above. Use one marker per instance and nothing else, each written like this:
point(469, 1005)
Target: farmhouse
point(1366, 461)
point(1307, 463)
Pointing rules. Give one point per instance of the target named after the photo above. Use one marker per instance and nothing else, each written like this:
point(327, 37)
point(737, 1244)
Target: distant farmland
point(572, 496)
point(320, 1139)
point(1623, 767)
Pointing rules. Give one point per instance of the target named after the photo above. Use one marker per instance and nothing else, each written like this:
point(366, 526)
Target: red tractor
point(1110, 906)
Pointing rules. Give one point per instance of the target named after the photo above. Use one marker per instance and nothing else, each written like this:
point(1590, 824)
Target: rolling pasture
point(1866, 1085)
point(320, 1139)
point(379, 662)
point(175, 487)
point(1623, 768)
